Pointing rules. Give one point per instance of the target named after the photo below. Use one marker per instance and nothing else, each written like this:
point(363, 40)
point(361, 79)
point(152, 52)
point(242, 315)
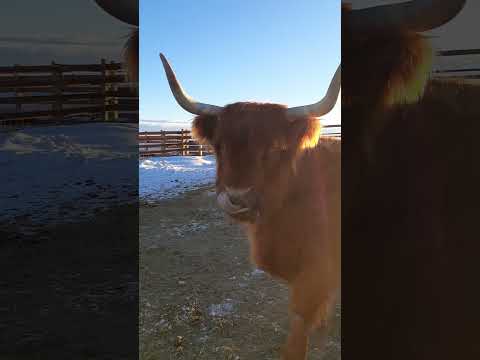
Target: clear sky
point(278, 51)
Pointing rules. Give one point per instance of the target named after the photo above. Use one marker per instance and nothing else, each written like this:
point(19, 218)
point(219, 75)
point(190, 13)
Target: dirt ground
point(200, 297)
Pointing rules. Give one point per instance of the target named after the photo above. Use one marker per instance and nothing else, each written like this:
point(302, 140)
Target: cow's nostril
point(242, 197)
point(236, 200)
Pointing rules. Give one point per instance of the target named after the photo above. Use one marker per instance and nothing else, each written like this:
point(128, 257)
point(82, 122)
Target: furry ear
point(203, 128)
point(304, 132)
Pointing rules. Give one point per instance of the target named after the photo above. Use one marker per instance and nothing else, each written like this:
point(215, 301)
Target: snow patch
point(167, 177)
point(257, 272)
point(223, 309)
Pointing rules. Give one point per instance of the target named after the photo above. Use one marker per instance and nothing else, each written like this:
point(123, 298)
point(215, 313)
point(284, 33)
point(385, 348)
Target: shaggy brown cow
point(409, 189)
point(126, 11)
point(279, 178)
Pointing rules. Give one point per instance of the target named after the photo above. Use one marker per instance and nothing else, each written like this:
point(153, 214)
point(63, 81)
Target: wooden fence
point(168, 143)
point(58, 92)
point(180, 142)
point(463, 73)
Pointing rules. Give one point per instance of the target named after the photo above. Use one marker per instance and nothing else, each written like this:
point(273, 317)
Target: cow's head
point(386, 59)
point(256, 145)
point(127, 12)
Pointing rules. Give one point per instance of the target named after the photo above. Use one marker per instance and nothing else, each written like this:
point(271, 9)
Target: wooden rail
point(459, 52)
point(168, 143)
point(58, 92)
point(180, 142)
point(456, 71)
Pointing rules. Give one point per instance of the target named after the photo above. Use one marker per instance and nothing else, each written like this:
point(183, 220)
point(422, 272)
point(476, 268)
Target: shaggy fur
point(380, 69)
point(411, 188)
point(397, 69)
point(296, 176)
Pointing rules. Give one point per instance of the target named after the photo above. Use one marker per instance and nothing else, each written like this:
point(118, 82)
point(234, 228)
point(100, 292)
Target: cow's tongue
point(230, 207)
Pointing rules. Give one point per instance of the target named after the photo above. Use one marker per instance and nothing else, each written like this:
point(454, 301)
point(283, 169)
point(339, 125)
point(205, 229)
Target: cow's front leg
point(297, 342)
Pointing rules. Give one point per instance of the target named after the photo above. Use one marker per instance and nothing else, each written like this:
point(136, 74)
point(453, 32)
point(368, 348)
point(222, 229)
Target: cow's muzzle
point(241, 204)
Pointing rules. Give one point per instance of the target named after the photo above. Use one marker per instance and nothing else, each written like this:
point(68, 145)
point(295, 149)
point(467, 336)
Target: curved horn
point(416, 15)
point(325, 105)
point(183, 99)
point(123, 10)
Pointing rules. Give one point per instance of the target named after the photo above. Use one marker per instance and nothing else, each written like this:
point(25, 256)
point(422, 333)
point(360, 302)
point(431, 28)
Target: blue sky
point(278, 51)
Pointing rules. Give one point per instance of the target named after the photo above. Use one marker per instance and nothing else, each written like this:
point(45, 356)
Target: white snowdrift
point(166, 177)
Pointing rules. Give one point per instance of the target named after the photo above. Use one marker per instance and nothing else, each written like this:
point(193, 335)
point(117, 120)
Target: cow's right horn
point(325, 105)
point(183, 99)
point(416, 15)
point(123, 10)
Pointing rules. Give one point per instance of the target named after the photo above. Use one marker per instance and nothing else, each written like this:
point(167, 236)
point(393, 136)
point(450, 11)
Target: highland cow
point(281, 180)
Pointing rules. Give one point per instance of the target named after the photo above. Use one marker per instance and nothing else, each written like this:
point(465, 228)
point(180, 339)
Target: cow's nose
point(242, 197)
point(237, 201)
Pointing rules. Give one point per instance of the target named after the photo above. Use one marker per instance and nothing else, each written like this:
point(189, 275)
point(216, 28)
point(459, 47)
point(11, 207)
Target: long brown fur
point(397, 69)
point(296, 175)
point(380, 69)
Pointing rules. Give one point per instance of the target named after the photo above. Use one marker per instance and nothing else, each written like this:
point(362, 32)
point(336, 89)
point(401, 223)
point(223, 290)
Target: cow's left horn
point(323, 106)
point(416, 15)
point(183, 99)
point(123, 10)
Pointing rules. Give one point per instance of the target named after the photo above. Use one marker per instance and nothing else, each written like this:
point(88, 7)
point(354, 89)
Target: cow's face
point(256, 146)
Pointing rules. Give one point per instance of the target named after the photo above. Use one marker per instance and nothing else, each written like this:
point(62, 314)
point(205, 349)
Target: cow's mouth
point(242, 208)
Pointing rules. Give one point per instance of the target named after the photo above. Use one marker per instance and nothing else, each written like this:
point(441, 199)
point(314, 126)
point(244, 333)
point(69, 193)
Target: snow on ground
point(58, 173)
point(166, 177)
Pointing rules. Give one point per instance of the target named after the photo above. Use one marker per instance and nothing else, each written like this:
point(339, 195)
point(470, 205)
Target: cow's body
point(300, 242)
point(294, 224)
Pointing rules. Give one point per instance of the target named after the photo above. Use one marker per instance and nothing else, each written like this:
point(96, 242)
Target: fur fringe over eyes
point(257, 125)
point(203, 128)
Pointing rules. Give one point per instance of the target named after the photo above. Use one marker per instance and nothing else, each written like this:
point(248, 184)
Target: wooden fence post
point(183, 143)
point(163, 141)
point(106, 100)
point(106, 87)
point(114, 88)
point(18, 105)
point(57, 91)
point(18, 94)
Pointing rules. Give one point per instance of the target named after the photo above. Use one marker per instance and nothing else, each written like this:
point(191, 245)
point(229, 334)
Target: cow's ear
point(304, 132)
point(203, 128)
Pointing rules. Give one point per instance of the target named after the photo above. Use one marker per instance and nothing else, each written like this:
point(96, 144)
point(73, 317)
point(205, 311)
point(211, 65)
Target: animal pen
point(58, 93)
point(168, 143)
point(181, 142)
